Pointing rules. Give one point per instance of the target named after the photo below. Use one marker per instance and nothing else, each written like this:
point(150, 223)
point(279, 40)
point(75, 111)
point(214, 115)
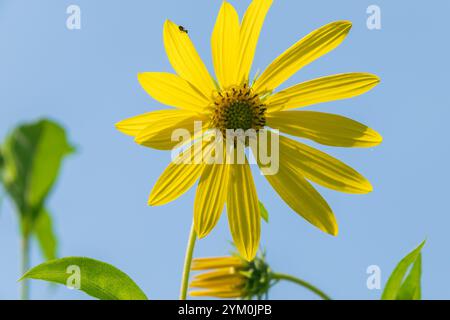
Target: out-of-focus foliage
point(1, 187)
point(1, 162)
point(263, 211)
point(45, 235)
point(403, 286)
point(97, 279)
point(31, 158)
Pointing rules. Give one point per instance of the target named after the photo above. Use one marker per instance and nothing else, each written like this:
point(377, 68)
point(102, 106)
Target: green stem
point(287, 277)
point(187, 263)
point(25, 250)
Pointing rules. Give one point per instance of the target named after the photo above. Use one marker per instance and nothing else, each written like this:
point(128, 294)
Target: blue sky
point(86, 79)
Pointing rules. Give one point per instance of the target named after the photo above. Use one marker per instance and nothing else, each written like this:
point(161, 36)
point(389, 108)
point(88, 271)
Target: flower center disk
point(238, 108)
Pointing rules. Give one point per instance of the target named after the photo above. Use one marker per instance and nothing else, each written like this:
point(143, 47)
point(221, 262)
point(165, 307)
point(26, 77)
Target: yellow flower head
point(232, 101)
point(231, 277)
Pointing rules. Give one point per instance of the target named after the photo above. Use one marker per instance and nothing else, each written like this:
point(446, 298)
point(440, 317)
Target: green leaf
point(2, 195)
point(97, 279)
point(32, 156)
point(2, 161)
point(410, 289)
point(43, 230)
point(263, 211)
point(402, 287)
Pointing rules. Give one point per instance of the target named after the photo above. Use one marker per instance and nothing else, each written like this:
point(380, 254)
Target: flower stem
point(25, 250)
point(287, 277)
point(187, 263)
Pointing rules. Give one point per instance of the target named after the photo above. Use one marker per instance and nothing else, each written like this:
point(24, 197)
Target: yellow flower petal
point(217, 273)
point(325, 89)
point(321, 168)
point(300, 195)
point(225, 45)
point(215, 263)
point(303, 199)
point(250, 29)
point(224, 294)
point(159, 134)
point(210, 198)
point(308, 49)
point(133, 126)
point(231, 280)
point(243, 211)
point(185, 60)
point(178, 177)
point(172, 90)
point(324, 128)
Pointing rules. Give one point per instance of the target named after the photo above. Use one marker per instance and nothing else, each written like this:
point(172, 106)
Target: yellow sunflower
point(234, 102)
point(230, 277)
point(234, 277)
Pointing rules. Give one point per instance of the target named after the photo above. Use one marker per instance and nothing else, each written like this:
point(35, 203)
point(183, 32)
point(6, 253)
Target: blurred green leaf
point(2, 196)
point(411, 289)
point(263, 211)
point(402, 287)
point(2, 161)
point(97, 279)
point(43, 229)
point(32, 156)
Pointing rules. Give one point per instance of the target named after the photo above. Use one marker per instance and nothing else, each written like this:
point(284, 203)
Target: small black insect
point(182, 29)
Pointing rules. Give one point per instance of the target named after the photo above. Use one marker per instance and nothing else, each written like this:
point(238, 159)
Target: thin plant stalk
point(187, 263)
point(25, 265)
point(300, 282)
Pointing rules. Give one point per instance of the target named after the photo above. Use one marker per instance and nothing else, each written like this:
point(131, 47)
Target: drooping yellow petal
point(325, 89)
point(231, 280)
point(167, 127)
point(227, 293)
point(308, 49)
point(299, 194)
point(215, 263)
point(250, 29)
point(179, 176)
point(327, 129)
point(217, 273)
point(243, 211)
point(172, 90)
point(321, 168)
point(185, 60)
point(225, 45)
point(303, 199)
point(210, 198)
